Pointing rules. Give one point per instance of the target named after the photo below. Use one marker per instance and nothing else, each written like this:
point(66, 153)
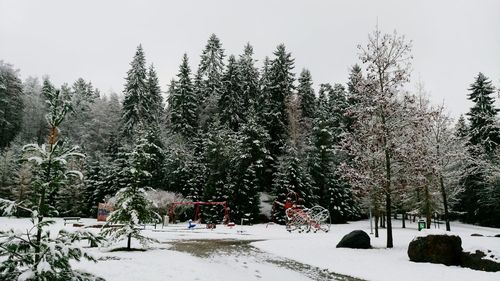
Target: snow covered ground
point(268, 252)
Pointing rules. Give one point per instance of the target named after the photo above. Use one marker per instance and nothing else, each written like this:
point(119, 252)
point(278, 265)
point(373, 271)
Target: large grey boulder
point(444, 249)
point(357, 239)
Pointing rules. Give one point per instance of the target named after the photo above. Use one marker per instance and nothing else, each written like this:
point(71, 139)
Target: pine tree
point(483, 130)
point(151, 147)
point(219, 147)
point(36, 254)
point(93, 184)
point(11, 104)
point(185, 169)
point(231, 110)
point(248, 75)
point(483, 139)
point(262, 107)
point(306, 95)
point(183, 102)
point(209, 80)
point(250, 162)
point(334, 192)
point(461, 128)
point(132, 206)
point(280, 88)
point(137, 102)
point(354, 86)
point(155, 98)
point(291, 182)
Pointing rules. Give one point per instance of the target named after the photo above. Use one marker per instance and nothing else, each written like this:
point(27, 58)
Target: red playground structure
point(197, 209)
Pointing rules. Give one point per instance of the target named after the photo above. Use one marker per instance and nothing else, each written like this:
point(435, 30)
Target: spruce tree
point(220, 146)
point(483, 140)
point(291, 182)
point(354, 86)
point(250, 162)
point(208, 81)
point(483, 130)
point(461, 128)
point(334, 193)
point(306, 95)
point(280, 88)
point(155, 98)
point(231, 102)
point(248, 75)
point(183, 102)
point(132, 207)
point(137, 102)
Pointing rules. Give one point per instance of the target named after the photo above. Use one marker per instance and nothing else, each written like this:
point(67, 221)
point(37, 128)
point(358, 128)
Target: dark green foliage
point(231, 109)
point(483, 135)
point(132, 207)
point(137, 103)
point(11, 104)
point(183, 102)
point(483, 130)
point(248, 77)
point(155, 98)
point(248, 175)
point(208, 82)
point(291, 178)
point(461, 128)
point(220, 146)
point(280, 86)
point(333, 192)
point(152, 157)
point(306, 95)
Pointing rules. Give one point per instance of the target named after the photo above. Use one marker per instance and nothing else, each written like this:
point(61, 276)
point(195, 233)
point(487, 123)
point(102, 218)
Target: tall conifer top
point(483, 128)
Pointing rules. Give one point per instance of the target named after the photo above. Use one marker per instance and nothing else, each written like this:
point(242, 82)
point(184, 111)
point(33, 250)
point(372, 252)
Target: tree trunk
point(128, 241)
point(388, 203)
point(376, 225)
point(445, 204)
point(403, 219)
point(428, 213)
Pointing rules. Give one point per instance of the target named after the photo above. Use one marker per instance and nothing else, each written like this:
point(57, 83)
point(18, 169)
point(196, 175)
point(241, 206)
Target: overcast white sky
point(96, 40)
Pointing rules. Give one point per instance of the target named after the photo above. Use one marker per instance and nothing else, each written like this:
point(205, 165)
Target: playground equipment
point(316, 218)
point(305, 220)
point(197, 209)
point(302, 219)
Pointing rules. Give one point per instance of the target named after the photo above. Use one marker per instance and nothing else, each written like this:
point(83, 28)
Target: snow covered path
point(262, 252)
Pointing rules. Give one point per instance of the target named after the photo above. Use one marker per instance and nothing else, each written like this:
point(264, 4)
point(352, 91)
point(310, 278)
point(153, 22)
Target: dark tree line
point(228, 130)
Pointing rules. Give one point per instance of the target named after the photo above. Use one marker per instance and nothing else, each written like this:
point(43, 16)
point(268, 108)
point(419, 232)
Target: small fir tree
point(36, 254)
point(132, 207)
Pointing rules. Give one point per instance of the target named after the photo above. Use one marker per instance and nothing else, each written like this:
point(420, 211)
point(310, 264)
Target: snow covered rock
point(357, 239)
point(444, 249)
point(480, 261)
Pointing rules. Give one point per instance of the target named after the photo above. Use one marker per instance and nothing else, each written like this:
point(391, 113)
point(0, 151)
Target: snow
point(272, 242)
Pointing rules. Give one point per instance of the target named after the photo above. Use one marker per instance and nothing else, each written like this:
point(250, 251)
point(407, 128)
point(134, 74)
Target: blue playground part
point(191, 225)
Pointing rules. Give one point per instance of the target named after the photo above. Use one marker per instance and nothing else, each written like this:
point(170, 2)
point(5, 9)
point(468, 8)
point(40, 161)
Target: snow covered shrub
point(163, 199)
point(29, 257)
